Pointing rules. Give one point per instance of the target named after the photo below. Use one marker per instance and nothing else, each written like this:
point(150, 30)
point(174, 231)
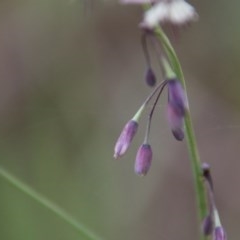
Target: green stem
point(190, 136)
point(59, 212)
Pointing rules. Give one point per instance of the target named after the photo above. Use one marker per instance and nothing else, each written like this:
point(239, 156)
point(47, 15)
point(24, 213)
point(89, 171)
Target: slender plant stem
point(190, 136)
point(146, 139)
point(59, 212)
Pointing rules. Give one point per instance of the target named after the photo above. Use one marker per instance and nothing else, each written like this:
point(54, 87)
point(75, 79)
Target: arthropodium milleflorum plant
point(174, 13)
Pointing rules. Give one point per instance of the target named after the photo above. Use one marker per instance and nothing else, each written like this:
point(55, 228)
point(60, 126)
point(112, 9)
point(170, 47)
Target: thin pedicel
point(130, 129)
point(164, 83)
point(150, 76)
point(144, 154)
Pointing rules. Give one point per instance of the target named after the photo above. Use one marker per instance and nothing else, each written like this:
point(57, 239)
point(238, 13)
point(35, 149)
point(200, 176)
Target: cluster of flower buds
point(174, 12)
point(211, 223)
point(177, 108)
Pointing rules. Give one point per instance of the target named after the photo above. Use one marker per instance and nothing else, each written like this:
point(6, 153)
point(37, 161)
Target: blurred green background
point(70, 78)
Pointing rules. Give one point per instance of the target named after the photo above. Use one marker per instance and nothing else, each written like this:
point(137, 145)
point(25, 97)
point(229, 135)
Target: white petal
point(156, 14)
point(181, 12)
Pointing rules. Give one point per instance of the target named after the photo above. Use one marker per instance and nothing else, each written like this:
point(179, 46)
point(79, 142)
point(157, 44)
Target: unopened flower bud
point(175, 122)
point(207, 225)
point(176, 109)
point(177, 97)
point(143, 159)
point(206, 169)
point(125, 138)
point(219, 233)
point(207, 174)
point(150, 77)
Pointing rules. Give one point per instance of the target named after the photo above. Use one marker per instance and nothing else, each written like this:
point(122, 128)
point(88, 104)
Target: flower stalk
point(177, 13)
point(189, 131)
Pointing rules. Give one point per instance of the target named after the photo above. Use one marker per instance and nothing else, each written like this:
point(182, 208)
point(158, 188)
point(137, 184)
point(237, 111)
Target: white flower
point(176, 12)
point(181, 12)
point(158, 13)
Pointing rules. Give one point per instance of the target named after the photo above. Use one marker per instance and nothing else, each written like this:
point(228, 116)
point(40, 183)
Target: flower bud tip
point(176, 109)
point(150, 77)
point(178, 134)
point(125, 138)
point(219, 233)
point(143, 159)
point(207, 225)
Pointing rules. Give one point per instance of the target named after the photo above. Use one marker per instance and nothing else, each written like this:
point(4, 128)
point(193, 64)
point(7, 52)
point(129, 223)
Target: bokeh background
point(71, 75)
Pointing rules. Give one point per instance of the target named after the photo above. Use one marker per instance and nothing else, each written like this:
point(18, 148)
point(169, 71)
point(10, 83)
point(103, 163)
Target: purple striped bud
point(125, 138)
point(177, 97)
point(143, 159)
point(175, 122)
point(219, 234)
point(176, 109)
point(207, 225)
point(150, 77)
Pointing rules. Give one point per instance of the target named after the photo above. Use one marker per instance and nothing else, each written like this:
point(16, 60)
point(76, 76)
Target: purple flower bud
point(175, 122)
point(150, 77)
point(206, 168)
point(125, 138)
point(176, 109)
point(143, 159)
point(219, 234)
point(177, 97)
point(207, 174)
point(207, 225)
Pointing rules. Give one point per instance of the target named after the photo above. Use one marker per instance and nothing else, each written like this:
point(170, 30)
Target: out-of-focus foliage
point(70, 78)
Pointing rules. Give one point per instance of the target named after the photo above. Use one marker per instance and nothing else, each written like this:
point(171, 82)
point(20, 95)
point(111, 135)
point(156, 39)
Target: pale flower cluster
point(176, 12)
